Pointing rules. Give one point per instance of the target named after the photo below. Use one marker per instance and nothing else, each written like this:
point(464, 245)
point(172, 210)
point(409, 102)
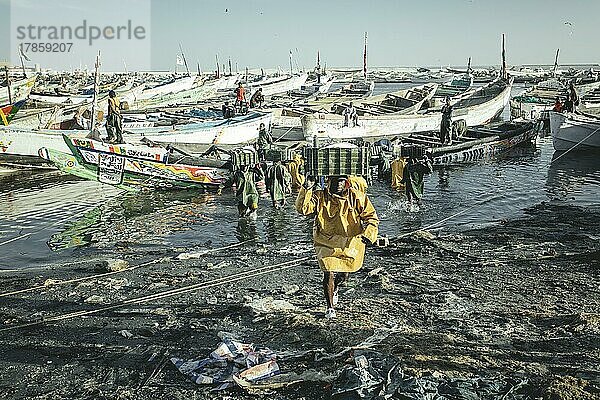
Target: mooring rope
point(168, 293)
point(97, 276)
point(576, 144)
point(435, 224)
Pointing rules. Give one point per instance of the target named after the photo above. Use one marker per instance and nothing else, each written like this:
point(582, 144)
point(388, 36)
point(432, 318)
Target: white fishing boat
point(194, 137)
point(274, 85)
point(574, 131)
point(19, 90)
point(405, 101)
point(477, 107)
point(174, 86)
point(23, 144)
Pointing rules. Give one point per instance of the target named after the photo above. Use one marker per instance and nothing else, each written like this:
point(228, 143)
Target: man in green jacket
point(412, 178)
point(279, 183)
point(246, 193)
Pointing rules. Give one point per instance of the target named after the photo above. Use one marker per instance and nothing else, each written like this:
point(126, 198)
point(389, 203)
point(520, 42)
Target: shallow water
point(46, 218)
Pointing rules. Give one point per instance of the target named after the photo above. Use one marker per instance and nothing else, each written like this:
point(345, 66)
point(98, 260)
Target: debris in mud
point(427, 318)
point(230, 362)
point(126, 334)
point(268, 305)
point(94, 299)
point(112, 265)
point(290, 289)
point(569, 388)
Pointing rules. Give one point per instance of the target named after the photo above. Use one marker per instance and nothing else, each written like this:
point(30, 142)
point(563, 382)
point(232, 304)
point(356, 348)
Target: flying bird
point(570, 25)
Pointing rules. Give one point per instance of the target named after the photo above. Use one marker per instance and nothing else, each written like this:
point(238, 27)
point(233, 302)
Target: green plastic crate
point(332, 161)
point(243, 157)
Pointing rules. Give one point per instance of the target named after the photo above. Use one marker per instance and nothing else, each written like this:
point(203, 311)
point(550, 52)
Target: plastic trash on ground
point(232, 361)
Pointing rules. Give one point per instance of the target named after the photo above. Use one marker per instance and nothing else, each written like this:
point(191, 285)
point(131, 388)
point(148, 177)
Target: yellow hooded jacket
point(340, 221)
point(295, 169)
point(398, 166)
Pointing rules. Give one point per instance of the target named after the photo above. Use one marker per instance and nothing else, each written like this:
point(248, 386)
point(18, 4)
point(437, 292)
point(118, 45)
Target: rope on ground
point(82, 279)
point(169, 293)
point(102, 275)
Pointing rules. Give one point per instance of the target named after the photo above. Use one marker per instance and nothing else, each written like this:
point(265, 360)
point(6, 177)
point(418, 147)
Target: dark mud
point(515, 301)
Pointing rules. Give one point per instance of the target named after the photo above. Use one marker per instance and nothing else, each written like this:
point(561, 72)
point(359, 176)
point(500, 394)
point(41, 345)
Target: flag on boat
point(179, 60)
point(8, 112)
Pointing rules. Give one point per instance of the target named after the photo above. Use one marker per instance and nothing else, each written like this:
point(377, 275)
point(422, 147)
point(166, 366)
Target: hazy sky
point(260, 33)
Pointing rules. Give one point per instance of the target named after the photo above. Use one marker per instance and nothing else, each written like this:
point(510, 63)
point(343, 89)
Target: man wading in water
point(345, 221)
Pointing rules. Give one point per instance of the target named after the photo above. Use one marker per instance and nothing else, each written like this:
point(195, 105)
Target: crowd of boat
point(175, 132)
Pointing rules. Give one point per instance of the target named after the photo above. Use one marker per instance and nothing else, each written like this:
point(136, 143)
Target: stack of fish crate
point(337, 160)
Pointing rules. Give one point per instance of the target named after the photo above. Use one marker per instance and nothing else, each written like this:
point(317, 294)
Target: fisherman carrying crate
point(345, 219)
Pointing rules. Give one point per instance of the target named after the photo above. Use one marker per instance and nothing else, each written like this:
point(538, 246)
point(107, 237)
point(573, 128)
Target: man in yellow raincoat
point(345, 221)
point(397, 167)
point(296, 169)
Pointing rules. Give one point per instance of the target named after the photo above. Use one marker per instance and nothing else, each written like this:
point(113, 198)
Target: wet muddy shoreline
point(517, 300)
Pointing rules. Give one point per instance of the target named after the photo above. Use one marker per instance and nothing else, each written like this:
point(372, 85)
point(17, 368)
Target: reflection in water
point(574, 176)
point(443, 178)
point(246, 229)
point(78, 233)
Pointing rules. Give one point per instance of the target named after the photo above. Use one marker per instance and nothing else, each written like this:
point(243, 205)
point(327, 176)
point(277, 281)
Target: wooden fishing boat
point(19, 90)
point(477, 142)
point(21, 145)
point(574, 131)
point(173, 86)
point(477, 107)
point(282, 84)
point(137, 166)
point(194, 137)
point(458, 84)
point(406, 101)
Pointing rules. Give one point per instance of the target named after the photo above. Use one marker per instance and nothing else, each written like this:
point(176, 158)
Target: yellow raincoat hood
point(340, 221)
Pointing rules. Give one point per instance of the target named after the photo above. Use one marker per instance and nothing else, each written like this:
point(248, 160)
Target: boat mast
point(95, 98)
point(22, 63)
point(184, 60)
point(230, 72)
point(217, 61)
point(318, 67)
point(503, 73)
point(469, 66)
point(365, 59)
point(8, 85)
point(291, 69)
point(555, 63)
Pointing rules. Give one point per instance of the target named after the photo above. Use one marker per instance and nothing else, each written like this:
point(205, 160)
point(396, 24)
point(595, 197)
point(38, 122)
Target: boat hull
point(445, 156)
point(132, 167)
point(330, 126)
point(574, 132)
